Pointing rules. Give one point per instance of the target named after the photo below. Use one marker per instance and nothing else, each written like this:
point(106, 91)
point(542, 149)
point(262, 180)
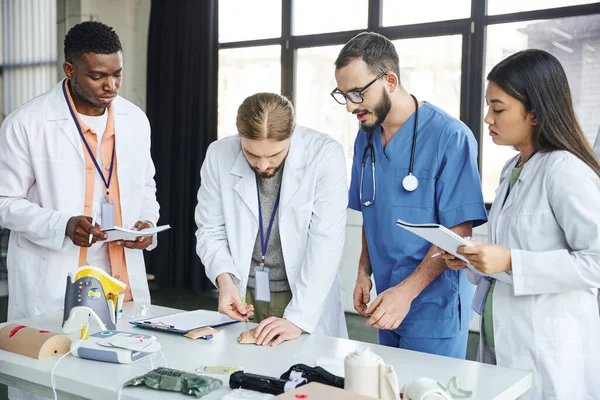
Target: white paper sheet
point(118, 233)
point(189, 320)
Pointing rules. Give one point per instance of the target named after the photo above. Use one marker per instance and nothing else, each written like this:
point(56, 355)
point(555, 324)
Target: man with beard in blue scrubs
point(412, 161)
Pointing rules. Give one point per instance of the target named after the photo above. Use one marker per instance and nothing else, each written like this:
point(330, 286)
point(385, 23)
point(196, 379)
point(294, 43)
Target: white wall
point(130, 19)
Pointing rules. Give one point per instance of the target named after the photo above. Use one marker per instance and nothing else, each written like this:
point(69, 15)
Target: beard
point(273, 172)
point(382, 110)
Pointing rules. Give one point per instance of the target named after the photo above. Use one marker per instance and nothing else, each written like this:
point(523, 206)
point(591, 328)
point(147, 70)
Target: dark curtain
point(181, 106)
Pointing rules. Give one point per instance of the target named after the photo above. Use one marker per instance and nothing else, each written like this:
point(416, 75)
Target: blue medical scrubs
point(449, 193)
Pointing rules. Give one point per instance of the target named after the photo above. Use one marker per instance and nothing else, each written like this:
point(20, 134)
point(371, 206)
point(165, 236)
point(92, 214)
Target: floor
point(186, 300)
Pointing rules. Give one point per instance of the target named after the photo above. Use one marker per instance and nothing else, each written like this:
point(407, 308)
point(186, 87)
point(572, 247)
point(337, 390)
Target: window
point(249, 19)
point(496, 7)
point(404, 12)
point(314, 106)
point(317, 16)
point(575, 42)
point(243, 72)
point(446, 49)
point(29, 63)
point(432, 75)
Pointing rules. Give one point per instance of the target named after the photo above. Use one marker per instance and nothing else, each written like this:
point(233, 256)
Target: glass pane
point(575, 42)
point(243, 72)
point(317, 16)
point(430, 68)
point(404, 12)
point(249, 20)
point(510, 6)
point(421, 72)
point(315, 108)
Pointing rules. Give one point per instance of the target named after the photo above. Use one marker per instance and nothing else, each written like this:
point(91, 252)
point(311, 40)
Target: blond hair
point(266, 116)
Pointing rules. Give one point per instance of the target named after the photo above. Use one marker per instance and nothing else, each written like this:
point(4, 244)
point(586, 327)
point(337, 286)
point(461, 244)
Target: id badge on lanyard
point(107, 207)
point(262, 288)
point(108, 213)
point(481, 293)
point(262, 277)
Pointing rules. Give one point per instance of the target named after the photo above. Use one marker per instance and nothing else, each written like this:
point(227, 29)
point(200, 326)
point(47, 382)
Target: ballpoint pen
point(93, 224)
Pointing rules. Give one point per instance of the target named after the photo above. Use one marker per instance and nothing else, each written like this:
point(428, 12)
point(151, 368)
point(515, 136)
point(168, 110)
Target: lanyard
point(112, 159)
point(264, 241)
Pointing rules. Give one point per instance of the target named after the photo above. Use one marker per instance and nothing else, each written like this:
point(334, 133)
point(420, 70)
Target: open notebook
point(447, 240)
point(118, 233)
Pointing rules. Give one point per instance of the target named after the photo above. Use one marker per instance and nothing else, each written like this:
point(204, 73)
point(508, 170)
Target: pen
point(93, 224)
point(439, 253)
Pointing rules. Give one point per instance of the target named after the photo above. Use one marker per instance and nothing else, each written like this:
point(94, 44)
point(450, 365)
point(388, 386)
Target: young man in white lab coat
point(271, 219)
point(76, 150)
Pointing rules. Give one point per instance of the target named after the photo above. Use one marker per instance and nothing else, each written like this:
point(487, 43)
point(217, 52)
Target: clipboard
point(185, 322)
point(449, 241)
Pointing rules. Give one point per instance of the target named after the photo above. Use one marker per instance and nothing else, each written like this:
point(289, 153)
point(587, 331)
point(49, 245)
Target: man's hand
point(141, 242)
point(362, 293)
point(279, 329)
point(390, 308)
point(79, 229)
point(452, 262)
point(230, 302)
point(487, 258)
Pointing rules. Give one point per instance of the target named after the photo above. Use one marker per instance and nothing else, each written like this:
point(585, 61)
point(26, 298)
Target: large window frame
point(473, 31)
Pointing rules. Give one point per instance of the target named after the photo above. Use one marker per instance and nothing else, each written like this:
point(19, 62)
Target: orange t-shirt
point(118, 264)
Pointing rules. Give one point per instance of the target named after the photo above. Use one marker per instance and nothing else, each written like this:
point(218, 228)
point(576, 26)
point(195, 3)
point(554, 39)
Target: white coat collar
point(529, 169)
point(292, 175)
point(57, 110)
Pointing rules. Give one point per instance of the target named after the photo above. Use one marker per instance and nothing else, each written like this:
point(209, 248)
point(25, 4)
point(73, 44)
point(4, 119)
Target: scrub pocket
point(421, 197)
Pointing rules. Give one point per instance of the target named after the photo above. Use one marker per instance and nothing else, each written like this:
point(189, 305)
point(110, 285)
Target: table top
point(77, 377)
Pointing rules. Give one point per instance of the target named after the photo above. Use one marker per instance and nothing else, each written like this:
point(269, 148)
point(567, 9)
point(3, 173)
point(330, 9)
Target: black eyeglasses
point(355, 97)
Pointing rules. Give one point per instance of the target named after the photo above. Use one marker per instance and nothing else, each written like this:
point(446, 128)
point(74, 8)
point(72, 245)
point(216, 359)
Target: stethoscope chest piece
point(410, 182)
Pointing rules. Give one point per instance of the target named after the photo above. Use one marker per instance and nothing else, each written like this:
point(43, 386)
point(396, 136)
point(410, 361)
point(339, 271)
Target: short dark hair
point(90, 37)
point(377, 51)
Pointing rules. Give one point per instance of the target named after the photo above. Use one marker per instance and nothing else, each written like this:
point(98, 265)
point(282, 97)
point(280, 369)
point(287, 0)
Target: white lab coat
point(42, 185)
point(547, 320)
point(312, 223)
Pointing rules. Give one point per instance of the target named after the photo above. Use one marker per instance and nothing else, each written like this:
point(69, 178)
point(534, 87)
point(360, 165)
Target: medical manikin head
point(266, 122)
point(367, 75)
point(93, 65)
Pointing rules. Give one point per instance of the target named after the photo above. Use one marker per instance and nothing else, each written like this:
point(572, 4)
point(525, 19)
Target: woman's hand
point(487, 258)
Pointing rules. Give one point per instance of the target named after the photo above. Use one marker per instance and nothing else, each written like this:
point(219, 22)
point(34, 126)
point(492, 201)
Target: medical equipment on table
point(117, 347)
point(92, 293)
point(31, 342)
point(410, 181)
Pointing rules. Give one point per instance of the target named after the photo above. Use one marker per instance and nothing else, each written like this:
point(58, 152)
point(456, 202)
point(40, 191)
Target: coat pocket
point(26, 276)
point(560, 361)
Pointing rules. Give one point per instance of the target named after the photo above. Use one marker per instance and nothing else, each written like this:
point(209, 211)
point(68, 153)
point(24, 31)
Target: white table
point(77, 377)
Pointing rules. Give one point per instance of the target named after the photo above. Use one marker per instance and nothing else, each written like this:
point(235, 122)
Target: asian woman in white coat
point(544, 229)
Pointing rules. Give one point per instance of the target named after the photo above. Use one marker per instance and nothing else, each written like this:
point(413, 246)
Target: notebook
point(118, 233)
point(449, 241)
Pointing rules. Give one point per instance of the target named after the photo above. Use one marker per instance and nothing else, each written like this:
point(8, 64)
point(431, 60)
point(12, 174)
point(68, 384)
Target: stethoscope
point(410, 182)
